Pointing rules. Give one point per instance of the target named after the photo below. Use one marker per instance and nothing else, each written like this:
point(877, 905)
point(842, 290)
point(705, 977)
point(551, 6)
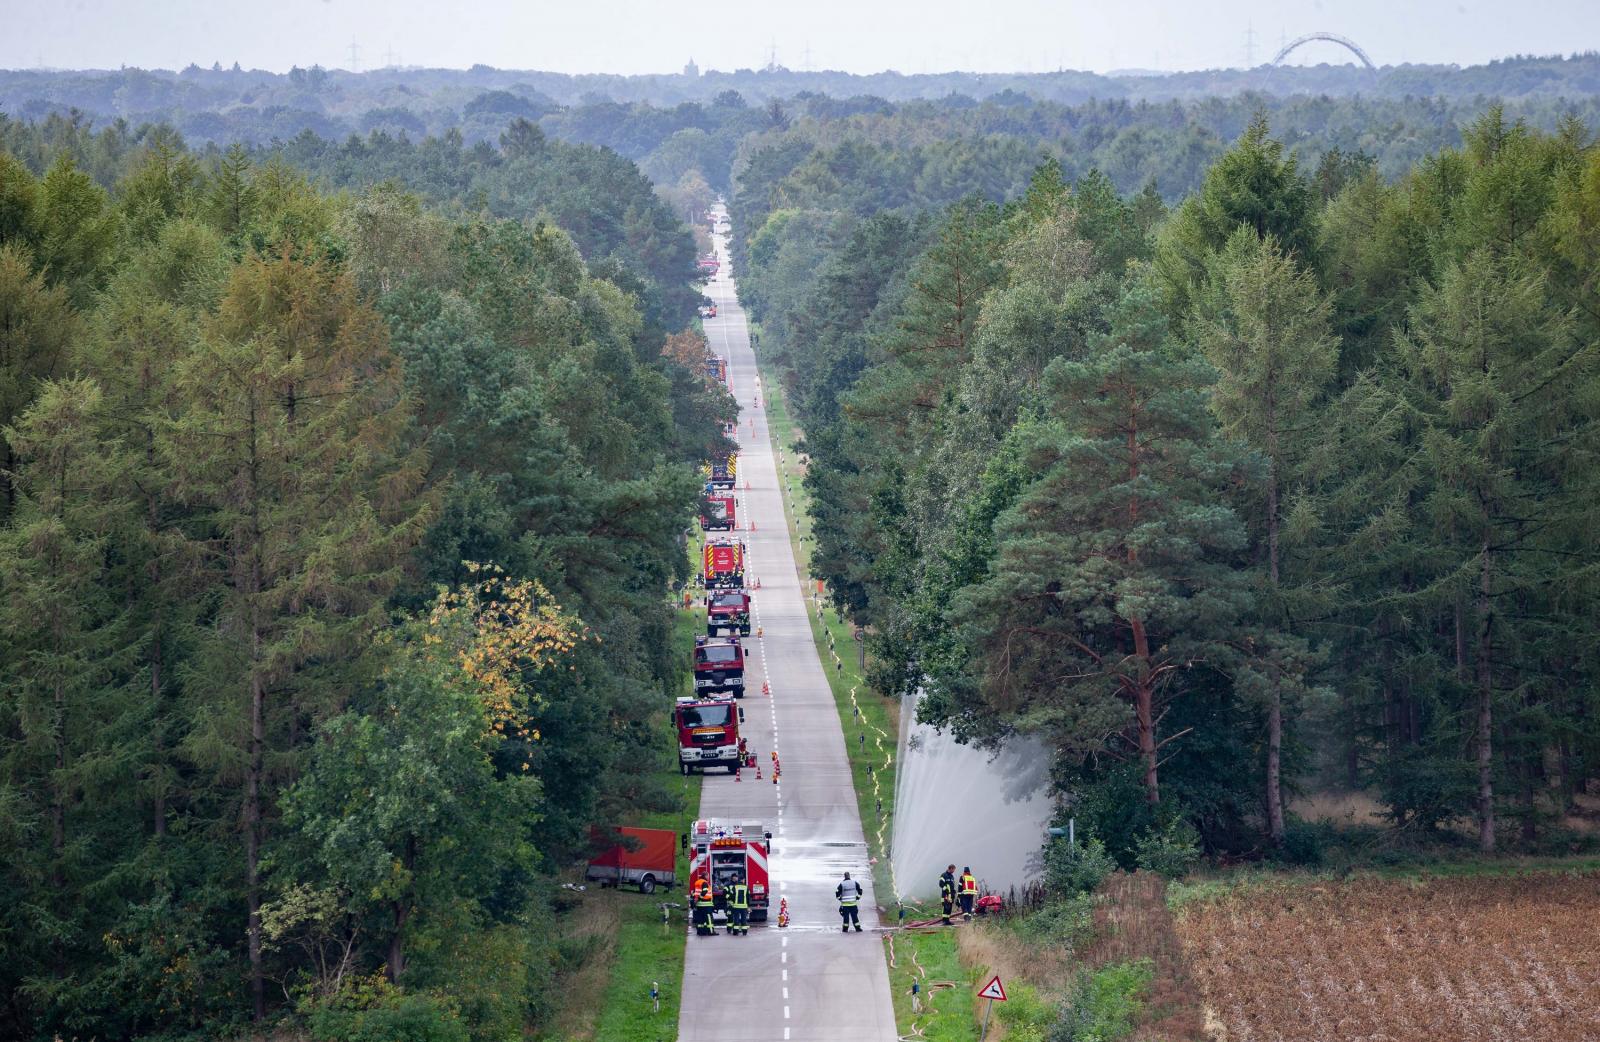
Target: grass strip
point(649, 951)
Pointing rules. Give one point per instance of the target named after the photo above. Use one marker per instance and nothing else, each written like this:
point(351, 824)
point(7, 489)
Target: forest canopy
point(1289, 485)
point(336, 533)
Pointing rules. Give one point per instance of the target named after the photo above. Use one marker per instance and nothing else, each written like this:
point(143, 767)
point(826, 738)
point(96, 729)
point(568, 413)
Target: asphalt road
point(809, 982)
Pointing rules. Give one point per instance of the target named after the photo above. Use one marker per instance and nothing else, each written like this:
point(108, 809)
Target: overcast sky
point(632, 36)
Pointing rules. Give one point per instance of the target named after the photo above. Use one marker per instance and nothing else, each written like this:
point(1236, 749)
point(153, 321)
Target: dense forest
point(1234, 432)
point(223, 104)
point(336, 531)
point(693, 134)
point(1290, 485)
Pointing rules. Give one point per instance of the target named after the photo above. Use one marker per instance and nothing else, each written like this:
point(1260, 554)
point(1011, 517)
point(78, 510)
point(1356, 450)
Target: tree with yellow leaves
point(412, 808)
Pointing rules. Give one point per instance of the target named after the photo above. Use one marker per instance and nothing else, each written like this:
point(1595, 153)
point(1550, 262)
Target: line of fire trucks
point(723, 854)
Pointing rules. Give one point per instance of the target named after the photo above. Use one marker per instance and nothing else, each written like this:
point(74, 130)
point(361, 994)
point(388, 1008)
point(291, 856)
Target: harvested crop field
point(1459, 959)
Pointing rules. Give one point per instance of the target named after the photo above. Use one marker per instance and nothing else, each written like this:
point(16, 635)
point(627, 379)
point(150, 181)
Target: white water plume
point(971, 806)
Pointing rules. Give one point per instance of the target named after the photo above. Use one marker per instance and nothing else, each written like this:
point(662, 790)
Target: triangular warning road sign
point(993, 990)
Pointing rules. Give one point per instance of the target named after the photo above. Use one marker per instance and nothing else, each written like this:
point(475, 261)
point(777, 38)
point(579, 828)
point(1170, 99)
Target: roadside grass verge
point(932, 958)
point(640, 949)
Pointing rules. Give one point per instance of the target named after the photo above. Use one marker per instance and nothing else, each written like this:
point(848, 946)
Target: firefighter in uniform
point(969, 892)
point(947, 892)
point(704, 903)
point(849, 894)
point(738, 910)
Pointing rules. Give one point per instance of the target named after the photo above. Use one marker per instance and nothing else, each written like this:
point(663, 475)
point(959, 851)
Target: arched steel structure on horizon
point(1343, 41)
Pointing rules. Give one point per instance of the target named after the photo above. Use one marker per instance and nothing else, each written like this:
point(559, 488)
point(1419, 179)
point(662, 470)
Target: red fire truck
point(708, 733)
point(718, 511)
point(723, 473)
point(722, 565)
point(728, 853)
point(728, 610)
point(719, 665)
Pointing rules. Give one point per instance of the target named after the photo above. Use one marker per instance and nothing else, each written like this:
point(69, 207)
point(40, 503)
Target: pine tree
point(1117, 571)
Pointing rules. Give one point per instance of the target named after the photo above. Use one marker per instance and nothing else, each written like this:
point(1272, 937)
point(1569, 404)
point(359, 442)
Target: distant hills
point(219, 104)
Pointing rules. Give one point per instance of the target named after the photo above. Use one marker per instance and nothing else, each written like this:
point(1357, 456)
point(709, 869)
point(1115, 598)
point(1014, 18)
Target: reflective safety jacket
point(739, 896)
point(848, 893)
point(703, 898)
point(969, 885)
point(947, 885)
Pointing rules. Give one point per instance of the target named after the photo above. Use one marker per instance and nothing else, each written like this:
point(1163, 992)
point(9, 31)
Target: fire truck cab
point(718, 665)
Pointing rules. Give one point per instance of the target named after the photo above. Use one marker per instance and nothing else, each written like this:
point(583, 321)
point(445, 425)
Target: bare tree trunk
point(396, 963)
point(1144, 691)
point(254, 768)
point(1275, 829)
point(1352, 755)
point(1485, 707)
point(401, 908)
point(1528, 797)
point(1144, 713)
point(58, 797)
point(159, 810)
point(252, 841)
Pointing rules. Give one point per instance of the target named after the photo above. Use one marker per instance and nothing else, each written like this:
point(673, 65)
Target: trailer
point(645, 858)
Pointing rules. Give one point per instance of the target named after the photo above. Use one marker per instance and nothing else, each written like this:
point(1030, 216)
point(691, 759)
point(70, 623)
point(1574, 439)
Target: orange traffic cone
point(736, 774)
point(783, 911)
point(758, 770)
point(766, 688)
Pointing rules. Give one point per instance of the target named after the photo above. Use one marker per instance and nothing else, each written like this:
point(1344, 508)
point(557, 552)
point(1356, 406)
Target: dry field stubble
point(1437, 960)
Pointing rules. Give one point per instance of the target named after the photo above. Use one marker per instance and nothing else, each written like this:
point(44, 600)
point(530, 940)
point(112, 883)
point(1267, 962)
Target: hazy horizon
point(881, 36)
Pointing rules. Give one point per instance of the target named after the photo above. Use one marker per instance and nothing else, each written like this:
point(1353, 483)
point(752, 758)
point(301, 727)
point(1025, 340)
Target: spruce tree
point(1504, 396)
point(37, 330)
point(289, 442)
point(1265, 328)
point(65, 647)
